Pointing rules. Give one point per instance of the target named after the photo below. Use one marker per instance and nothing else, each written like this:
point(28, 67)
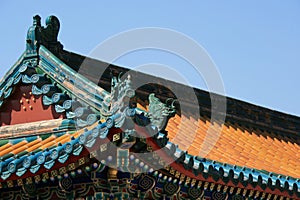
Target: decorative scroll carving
point(146, 183)
point(171, 188)
point(29, 189)
point(195, 193)
point(219, 195)
point(66, 184)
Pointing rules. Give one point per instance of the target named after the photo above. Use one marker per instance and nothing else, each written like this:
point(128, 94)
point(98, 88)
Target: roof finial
point(52, 28)
point(33, 36)
point(36, 20)
point(47, 36)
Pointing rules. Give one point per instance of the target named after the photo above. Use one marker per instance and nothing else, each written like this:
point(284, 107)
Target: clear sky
point(255, 44)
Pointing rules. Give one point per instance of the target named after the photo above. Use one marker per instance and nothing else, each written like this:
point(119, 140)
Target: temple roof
point(254, 144)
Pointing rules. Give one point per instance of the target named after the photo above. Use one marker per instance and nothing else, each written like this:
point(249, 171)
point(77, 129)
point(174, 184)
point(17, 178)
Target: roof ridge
point(238, 111)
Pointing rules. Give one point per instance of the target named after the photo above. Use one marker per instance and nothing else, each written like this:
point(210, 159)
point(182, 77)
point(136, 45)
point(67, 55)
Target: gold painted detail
point(10, 184)
point(45, 176)
point(71, 166)
point(93, 154)
point(19, 182)
point(112, 173)
point(62, 170)
point(103, 147)
point(29, 180)
point(54, 173)
point(81, 161)
point(37, 178)
point(116, 137)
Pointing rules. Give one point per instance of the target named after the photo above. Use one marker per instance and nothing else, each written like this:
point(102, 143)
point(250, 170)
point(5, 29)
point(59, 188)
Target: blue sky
point(255, 44)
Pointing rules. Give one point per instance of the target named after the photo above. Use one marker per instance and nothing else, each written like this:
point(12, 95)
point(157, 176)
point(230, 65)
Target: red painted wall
point(23, 107)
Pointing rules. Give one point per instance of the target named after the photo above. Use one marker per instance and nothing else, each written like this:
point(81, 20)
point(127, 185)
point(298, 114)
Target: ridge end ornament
point(159, 113)
point(39, 35)
point(121, 92)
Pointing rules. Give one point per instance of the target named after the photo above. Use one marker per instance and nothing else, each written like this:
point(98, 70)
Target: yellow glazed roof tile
point(236, 145)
